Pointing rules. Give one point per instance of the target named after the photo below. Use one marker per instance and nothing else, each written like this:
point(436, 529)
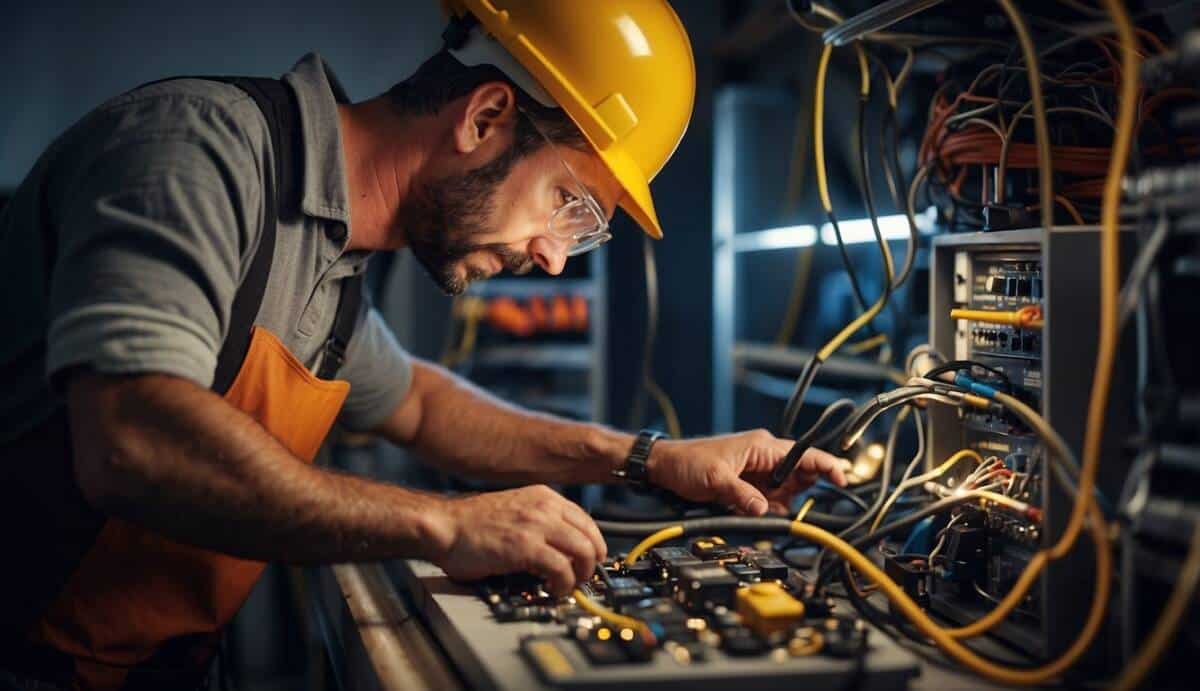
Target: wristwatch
point(634, 471)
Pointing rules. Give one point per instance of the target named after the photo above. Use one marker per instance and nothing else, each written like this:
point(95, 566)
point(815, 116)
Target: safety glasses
point(579, 219)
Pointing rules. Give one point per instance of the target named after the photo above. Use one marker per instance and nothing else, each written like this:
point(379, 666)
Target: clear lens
point(580, 220)
point(573, 219)
point(588, 243)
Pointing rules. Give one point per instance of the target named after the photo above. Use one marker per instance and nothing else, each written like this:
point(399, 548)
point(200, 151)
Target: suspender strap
point(350, 303)
point(278, 105)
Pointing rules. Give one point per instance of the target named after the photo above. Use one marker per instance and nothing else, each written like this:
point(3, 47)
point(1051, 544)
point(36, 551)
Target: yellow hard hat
point(621, 69)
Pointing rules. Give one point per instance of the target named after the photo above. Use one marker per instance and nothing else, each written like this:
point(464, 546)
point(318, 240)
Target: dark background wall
point(64, 58)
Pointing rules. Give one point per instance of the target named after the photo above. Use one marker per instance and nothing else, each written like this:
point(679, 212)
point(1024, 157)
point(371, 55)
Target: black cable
point(766, 525)
point(909, 520)
point(796, 401)
point(859, 298)
point(957, 365)
point(864, 186)
point(897, 185)
point(845, 494)
point(785, 467)
point(885, 478)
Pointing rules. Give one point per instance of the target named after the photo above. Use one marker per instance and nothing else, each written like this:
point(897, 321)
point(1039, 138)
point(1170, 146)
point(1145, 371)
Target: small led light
point(627, 634)
point(604, 634)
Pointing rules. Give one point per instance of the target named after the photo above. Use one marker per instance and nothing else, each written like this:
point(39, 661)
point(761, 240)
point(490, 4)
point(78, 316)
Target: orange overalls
point(131, 609)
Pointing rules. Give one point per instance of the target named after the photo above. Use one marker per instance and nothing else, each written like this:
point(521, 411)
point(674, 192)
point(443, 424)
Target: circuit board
point(718, 615)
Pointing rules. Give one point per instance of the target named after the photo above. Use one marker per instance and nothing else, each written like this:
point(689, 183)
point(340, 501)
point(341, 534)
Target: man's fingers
point(745, 497)
point(579, 518)
point(818, 462)
point(576, 547)
point(550, 564)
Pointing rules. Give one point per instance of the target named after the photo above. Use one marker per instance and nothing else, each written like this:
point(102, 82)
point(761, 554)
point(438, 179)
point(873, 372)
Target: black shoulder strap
point(350, 303)
point(278, 105)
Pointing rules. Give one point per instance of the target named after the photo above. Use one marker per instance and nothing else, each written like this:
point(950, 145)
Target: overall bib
point(101, 603)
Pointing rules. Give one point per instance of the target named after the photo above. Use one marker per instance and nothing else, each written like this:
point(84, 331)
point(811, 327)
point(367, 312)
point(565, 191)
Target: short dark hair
point(442, 79)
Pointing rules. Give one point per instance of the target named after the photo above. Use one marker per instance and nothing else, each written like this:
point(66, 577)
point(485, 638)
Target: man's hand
point(735, 469)
point(531, 529)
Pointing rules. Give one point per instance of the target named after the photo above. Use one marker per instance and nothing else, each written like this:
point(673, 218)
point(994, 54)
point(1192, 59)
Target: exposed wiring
point(943, 638)
point(1041, 125)
point(922, 479)
point(805, 509)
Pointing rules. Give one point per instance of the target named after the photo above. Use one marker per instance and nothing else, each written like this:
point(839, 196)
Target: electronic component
point(744, 572)
point(642, 570)
point(770, 566)
point(625, 589)
point(910, 574)
point(707, 648)
point(844, 636)
point(742, 641)
point(767, 608)
point(713, 548)
point(703, 588)
point(671, 559)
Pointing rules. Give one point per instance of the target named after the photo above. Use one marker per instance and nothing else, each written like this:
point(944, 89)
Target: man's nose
point(549, 253)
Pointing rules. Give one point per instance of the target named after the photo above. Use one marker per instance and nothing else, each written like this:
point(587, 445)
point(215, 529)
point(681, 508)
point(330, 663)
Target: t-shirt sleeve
point(154, 233)
point(379, 372)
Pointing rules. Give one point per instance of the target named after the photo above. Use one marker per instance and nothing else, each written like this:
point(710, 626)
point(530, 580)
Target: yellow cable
point(867, 344)
point(1168, 623)
point(922, 479)
point(1109, 258)
point(663, 535)
point(946, 639)
point(1109, 289)
point(804, 509)
point(947, 642)
point(1028, 317)
point(819, 128)
point(827, 203)
point(1107, 346)
point(864, 71)
point(588, 605)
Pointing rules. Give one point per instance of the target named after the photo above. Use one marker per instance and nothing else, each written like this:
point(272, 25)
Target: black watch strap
point(635, 470)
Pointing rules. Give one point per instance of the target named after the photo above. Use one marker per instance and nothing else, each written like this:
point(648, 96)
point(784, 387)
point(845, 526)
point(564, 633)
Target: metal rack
point(538, 357)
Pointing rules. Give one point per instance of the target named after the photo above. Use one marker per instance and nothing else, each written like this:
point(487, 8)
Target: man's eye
point(565, 197)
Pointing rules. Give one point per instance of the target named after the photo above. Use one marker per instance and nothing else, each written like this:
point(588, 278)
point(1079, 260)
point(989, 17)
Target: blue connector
point(964, 380)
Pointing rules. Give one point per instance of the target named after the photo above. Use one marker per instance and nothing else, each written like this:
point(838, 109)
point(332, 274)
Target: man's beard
point(445, 215)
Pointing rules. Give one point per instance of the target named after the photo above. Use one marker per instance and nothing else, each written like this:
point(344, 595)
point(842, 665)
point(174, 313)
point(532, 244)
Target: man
point(165, 398)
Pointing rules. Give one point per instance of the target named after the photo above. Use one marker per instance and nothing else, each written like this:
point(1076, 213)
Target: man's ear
point(490, 112)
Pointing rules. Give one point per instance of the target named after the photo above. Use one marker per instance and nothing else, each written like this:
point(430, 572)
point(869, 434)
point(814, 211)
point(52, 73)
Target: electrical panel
point(1047, 367)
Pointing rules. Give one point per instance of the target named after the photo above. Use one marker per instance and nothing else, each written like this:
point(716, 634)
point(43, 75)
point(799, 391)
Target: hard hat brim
point(636, 200)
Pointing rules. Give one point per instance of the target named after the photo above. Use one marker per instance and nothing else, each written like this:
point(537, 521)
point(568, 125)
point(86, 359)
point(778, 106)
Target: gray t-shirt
point(155, 199)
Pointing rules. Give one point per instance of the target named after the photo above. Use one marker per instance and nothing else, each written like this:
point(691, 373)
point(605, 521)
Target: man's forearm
point(460, 428)
point(178, 459)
